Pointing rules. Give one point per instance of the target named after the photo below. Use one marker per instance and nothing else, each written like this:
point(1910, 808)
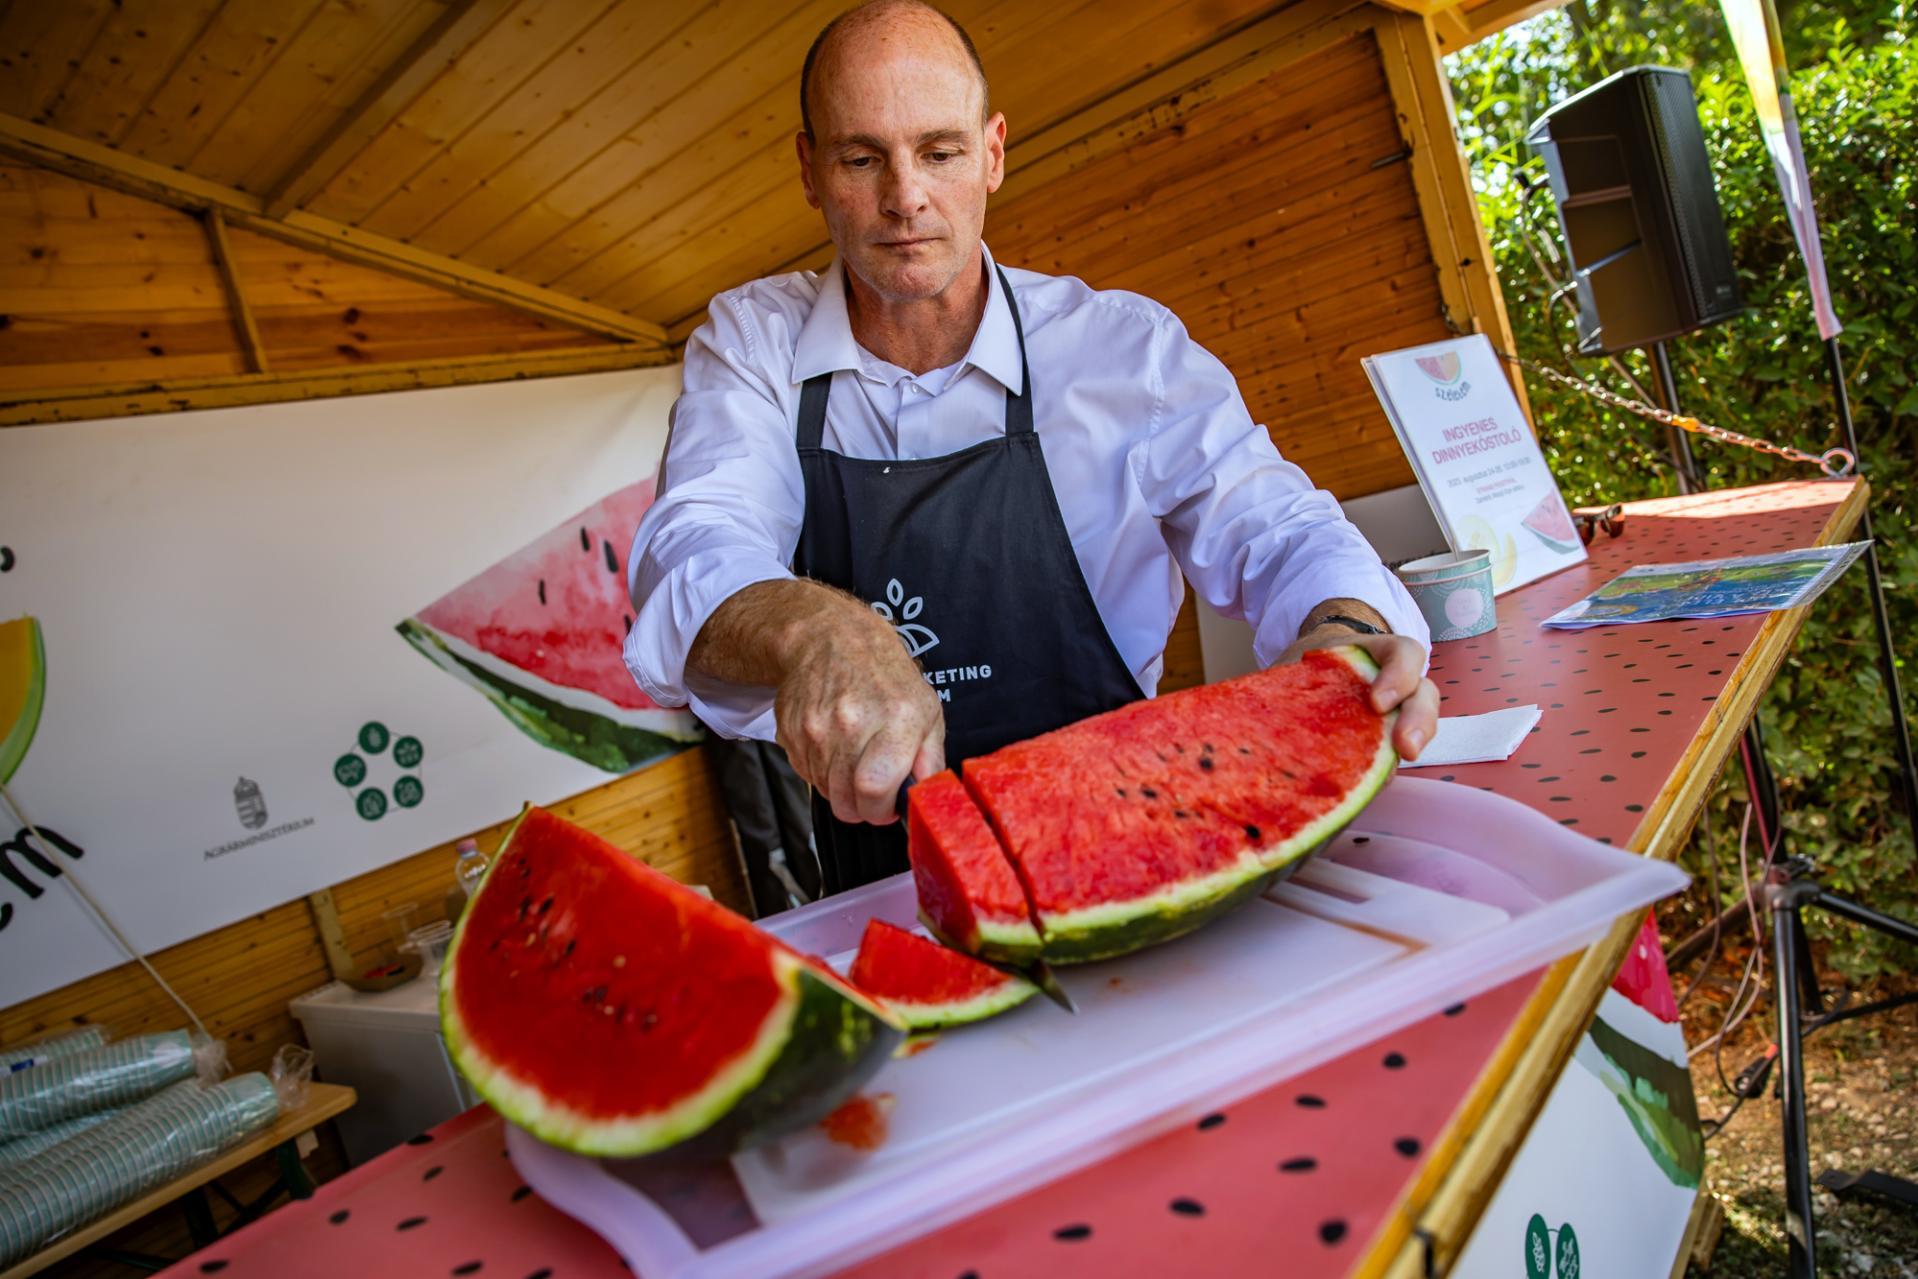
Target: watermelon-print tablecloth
point(1295, 1181)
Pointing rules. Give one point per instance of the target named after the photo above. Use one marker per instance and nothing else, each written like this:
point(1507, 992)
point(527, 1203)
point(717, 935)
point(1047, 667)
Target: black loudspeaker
point(1639, 211)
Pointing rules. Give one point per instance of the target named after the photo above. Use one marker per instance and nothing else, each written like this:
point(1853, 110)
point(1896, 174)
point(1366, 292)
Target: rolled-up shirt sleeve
point(727, 516)
point(1255, 539)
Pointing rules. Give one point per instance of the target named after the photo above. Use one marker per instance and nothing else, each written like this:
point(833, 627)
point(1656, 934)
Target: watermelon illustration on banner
point(539, 634)
point(23, 687)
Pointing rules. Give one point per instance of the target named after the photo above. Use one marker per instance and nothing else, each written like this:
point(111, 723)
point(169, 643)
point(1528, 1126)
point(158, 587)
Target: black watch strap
point(1351, 623)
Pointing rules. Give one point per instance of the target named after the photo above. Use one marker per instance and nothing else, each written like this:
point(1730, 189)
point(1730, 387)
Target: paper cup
point(1454, 593)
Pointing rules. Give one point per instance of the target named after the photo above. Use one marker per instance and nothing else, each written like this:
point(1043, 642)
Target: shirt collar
point(826, 343)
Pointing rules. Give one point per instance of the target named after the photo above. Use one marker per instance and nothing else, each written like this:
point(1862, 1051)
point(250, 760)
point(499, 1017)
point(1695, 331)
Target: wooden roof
point(606, 163)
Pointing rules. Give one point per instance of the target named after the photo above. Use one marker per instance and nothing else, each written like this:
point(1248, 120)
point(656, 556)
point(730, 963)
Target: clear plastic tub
point(1437, 893)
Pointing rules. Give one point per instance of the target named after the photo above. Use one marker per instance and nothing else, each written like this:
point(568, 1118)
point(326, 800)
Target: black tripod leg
point(1800, 1228)
point(1886, 924)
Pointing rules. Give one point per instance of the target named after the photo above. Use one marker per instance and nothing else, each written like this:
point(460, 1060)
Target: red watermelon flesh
point(931, 986)
point(541, 634)
point(968, 893)
point(1552, 524)
point(1143, 823)
point(611, 1010)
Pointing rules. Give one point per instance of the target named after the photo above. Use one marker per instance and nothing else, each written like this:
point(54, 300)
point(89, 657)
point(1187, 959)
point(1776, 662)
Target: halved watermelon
point(930, 986)
point(23, 689)
point(968, 893)
point(1139, 825)
point(611, 1010)
point(1552, 524)
point(540, 634)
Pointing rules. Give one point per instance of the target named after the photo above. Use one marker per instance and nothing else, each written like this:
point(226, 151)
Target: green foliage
point(1855, 85)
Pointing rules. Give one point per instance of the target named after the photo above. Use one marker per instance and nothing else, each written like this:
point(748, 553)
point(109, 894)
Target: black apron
point(968, 556)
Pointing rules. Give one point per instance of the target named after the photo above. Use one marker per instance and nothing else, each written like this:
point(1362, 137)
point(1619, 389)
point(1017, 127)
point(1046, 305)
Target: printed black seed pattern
point(1211, 1121)
point(1332, 1231)
point(1310, 1102)
point(1304, 1163)
point(1072, 1234)
point(1394, 1061)
point(1188, 1207)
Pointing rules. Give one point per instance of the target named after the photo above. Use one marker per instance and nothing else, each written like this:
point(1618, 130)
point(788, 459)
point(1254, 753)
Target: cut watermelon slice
point(613, 1011)
point(968, 893)
point(1140, 825)
point(1552, 524)
point(540, 634)
point(929, 986)
point(23, 689)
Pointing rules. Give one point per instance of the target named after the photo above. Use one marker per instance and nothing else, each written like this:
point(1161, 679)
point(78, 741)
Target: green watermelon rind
point(1111, 929)
point(20, 734)
point(961, 1012)
point(818, 1047)
point(594, 734)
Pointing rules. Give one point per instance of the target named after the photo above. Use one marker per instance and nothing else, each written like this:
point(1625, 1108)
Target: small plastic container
point(429, 942)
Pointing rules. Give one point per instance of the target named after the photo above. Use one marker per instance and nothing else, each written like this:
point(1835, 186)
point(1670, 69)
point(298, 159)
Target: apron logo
point(916, 638)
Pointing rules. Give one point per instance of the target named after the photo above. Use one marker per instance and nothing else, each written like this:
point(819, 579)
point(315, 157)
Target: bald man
point(921, 504)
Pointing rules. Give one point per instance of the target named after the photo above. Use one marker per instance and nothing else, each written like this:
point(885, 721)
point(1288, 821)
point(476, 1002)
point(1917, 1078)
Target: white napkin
point(1477, 739)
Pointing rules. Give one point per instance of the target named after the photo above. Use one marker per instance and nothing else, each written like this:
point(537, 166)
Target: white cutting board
point(973, 1083)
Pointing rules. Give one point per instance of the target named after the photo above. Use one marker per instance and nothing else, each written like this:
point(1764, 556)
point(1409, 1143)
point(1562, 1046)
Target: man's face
point(902, 162)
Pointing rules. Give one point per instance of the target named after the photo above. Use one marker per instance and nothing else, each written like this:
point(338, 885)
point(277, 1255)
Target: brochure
point(1476, 457)
point(1711, 588)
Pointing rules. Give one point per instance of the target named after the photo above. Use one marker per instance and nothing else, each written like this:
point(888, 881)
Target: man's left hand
point(1400, 682)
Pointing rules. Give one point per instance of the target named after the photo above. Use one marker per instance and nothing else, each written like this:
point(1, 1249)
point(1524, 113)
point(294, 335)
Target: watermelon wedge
point(968, 893)
point(929, 986)
point(610, 1010)
point(1139, 825)
point(1552, 524)
point(540, 634)
point(23, 689)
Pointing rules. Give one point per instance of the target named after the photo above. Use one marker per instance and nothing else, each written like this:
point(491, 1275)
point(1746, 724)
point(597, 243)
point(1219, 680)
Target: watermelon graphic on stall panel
point(1551, 524)
point(540, 635)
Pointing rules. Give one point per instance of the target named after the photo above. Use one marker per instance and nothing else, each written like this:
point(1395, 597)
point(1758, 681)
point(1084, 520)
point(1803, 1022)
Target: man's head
point(899, 151)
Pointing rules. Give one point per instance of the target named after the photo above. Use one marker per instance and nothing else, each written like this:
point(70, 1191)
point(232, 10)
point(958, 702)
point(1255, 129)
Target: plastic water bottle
point(471, 866)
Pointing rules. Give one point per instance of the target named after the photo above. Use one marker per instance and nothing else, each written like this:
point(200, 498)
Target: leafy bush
point(1855, 84)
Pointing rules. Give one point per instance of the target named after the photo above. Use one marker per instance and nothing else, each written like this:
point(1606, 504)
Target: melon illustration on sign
point(1551, 524)
point(540, 635)
point(23, 689)
point(1475, 533)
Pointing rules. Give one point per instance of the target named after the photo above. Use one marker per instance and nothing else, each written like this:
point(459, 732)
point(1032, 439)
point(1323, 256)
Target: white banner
point(217, 594)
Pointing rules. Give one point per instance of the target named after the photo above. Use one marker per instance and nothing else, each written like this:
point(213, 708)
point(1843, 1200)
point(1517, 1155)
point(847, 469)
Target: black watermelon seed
point(422, 1139)
point(1205, 763)
point(521, 1193)
point(1252, 833)
point(1394, 1061)
point(1407, 1146)
point(468, 1268)
point(1332, 1231)
point(1455, 1010)
point(339, 1218)
point(1072, 1234)
point(542, 590)
point(612, 560)
point(1311, 1102)
point(1361, 839)
point(1148, 792)
point(585, 541)
point(213, 1267)
point(1188, 1207)
point(629, 620)
point(1304, 1163)
point(1211, 1121)
point(432, 1172)
point(410, 1222)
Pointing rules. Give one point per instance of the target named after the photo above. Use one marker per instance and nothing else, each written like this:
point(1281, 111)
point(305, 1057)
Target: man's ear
point(802, 145)
point(995, 151)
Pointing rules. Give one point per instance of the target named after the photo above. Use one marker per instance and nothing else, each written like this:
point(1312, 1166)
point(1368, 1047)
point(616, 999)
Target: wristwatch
point(1351, 623)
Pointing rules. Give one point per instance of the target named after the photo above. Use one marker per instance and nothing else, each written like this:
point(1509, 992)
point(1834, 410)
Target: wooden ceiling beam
point(91, 162)
point(1497, 15)
point(462, 23)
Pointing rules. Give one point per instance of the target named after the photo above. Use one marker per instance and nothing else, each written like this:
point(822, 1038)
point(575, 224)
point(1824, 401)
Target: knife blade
point(1038, 972)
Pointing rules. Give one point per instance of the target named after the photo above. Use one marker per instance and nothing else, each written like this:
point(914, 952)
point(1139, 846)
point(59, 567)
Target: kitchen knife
point(1038, 972)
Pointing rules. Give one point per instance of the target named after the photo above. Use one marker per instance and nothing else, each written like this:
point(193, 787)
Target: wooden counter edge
point(1469, 1159)
point(323, 1101)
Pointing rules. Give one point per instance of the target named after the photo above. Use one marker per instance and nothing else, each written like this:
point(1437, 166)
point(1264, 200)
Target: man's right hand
point(854, 714)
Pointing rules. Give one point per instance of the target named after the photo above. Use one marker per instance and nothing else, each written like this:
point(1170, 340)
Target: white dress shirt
point(1158, 468)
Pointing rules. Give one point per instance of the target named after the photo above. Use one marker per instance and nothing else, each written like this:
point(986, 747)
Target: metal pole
point(1887, 653)
point(1783, 895)
point(1681, 448)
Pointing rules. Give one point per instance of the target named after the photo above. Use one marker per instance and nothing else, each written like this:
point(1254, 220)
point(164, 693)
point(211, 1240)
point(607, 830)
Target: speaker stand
point(1683, 463)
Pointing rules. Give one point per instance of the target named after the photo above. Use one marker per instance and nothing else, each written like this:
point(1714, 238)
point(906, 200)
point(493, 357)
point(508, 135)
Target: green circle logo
point(1567, 1256)
point(371, 803)
point(349, 770)
point(374, 737)
point(407, 752)
point(407, 791)
point(1538, 1249)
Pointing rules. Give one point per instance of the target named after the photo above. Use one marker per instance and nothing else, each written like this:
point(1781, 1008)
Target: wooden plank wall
point(97, 286)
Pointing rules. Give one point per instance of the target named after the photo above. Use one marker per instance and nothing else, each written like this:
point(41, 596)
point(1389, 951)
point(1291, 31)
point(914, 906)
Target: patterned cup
point(1454, 592)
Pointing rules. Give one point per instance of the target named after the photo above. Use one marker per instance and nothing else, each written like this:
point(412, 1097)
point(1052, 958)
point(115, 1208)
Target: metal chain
point(1835, 463)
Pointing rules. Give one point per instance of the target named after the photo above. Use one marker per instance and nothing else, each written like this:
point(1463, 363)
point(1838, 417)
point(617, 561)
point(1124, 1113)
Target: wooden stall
point(207, 203)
